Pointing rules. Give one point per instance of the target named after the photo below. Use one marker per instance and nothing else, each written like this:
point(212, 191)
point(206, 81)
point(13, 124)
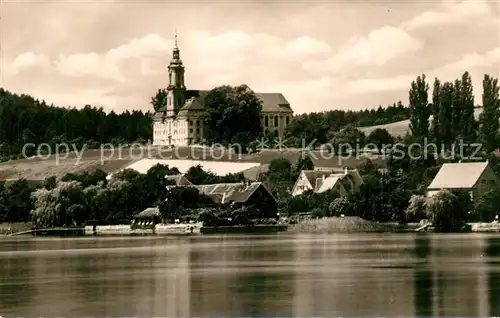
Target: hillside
point(39, 169)
point(400, 128)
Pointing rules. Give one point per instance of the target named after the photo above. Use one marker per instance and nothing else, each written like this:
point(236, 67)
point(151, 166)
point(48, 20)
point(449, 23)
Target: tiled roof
point(159, 114)
point(253, 173)
point(229, 192)
point(191, 106)
point(271, 102)
point(458, 175)
point(323, 180)
point(147, 213)
point(329, 183)
point(313, 175)
point(179, 179)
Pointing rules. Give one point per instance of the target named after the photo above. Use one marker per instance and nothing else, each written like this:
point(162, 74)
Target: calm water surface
point(273, 275)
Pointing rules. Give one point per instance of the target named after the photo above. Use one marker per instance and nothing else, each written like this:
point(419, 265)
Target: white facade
point(179, 122)
point(323, 180)
point(173, 131)
point(302, 185)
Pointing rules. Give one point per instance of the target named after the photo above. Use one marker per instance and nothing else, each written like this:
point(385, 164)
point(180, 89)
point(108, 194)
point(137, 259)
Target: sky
point(322, 55)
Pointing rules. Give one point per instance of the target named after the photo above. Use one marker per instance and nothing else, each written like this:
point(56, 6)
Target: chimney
point(346, 171)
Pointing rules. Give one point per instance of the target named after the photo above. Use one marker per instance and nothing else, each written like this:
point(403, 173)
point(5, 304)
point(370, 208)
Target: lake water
point(234, 276)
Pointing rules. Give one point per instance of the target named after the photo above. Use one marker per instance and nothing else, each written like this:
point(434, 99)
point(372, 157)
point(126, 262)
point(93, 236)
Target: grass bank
point(349, 224)
point(9, 228)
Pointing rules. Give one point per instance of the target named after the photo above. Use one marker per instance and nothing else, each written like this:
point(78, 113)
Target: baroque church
point(181, 121)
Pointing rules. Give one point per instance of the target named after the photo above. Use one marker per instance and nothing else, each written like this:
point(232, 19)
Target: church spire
point(176, 88)
point(176, 53)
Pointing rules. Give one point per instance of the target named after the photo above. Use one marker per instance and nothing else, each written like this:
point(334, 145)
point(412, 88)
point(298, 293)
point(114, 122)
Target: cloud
point(475, 63)
point(307, 46)
point(139, 67)
point(474, 60)
point(376, 49)
point(110, 64)
point(383, 84)
point(27, 62)
point(451, 13)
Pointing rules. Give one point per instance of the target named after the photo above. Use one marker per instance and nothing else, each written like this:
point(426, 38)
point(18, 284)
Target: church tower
point(176, 90)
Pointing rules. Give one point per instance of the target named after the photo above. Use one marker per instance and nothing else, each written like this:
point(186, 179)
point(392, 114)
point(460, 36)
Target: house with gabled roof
point(475, 177)
point(241, 194)
point(179, 180)
point(319, 181)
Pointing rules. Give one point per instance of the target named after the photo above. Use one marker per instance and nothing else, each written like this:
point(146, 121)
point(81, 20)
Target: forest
point(24, 119)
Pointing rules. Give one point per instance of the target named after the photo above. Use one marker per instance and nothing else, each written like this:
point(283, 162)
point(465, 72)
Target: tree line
point(234, 117)
point(452, 109)
point(79, 197)
point(394, 195)
point(24, 119)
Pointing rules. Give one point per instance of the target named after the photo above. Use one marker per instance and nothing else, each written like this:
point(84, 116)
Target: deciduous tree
point(491, 115)
point(159, 100)
point(233, 111)
point(419, 108)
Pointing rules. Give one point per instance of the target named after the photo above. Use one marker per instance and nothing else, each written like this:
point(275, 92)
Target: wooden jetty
point(56, 231)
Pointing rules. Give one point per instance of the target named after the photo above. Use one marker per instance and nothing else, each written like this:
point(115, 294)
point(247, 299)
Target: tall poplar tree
point(445, 114)
point(436, 101)
point(419, 107)
point(467, 127)
point(490, 116)
point(456, 117)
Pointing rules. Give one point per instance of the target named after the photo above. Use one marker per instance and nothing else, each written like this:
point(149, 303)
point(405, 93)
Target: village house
point(475, 177)
point(179, 180)
point(242, 194)
point(319, 181)
point(181, 121)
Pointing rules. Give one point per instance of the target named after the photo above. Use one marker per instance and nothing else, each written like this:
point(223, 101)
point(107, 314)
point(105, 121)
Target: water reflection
point(303, 275)
point(492, 253)
point(13, 272)
point(423, 282)
point(244, 279)
point(456, 275)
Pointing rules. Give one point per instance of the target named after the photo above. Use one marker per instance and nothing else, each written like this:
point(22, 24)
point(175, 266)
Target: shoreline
point(328, 225)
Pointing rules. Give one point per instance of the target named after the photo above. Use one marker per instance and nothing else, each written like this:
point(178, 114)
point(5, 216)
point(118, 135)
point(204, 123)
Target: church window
point(276, 121)
point(266, 121)
point(190, 123)
point(197, 130)
point(190, 130)
point(287, 120)
point(198, 122)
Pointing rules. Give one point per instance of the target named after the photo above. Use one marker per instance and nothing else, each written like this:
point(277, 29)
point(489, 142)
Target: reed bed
point(341, 225)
